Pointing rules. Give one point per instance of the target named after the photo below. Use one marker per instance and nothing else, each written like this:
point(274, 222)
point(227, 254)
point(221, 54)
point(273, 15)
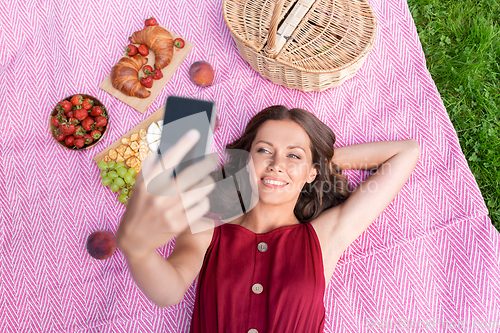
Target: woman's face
point(281, 152)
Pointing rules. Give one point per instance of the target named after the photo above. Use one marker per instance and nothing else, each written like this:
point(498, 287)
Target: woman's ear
point(312, 175)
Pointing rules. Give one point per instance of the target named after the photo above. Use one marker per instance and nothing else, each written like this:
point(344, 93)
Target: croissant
point(124, 76)
point(157, 39)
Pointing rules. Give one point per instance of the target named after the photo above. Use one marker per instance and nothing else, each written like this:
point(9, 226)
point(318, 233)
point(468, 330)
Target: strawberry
point(100, 129)
point(131, 50)
point(80, 132)
point(88, 139)
point(179, 43)
point(146, 81)
point(76, 100)
point(148, 70)
point(79, 143)
point(81, 114)
point(66, 105)
point(87, 104)
point(67, 128)
point(69, 141)
point(70, 114)
point(150, 21)
point(100, 121)
point(74, 121)
point(87, 124)
point(143, 50)
point(60, 137)
point(96, 111)
point(95, 134)
point(55, 121)
point(157, 74)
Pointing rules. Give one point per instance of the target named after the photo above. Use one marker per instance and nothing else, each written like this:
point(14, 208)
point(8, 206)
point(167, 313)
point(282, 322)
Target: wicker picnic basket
point(310, 45)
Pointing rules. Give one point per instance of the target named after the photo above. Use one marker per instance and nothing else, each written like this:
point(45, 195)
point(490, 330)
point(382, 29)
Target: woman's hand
point(152, 220)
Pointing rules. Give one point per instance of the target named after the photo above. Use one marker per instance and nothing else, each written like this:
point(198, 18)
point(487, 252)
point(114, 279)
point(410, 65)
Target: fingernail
point(192, 134)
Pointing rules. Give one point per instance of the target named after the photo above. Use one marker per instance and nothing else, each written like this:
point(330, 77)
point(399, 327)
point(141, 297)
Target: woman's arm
point(394, 162)
point(369, 155)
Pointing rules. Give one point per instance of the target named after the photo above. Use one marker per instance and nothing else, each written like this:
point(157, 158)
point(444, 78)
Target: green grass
point(461, 42)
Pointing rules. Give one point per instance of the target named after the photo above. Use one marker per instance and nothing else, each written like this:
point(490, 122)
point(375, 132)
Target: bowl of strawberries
point(78, 122)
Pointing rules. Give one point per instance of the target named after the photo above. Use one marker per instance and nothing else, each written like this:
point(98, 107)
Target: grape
point(112, 174)
point(104, 173)
point(128, 178)
point(111, 164)
point(114, 187)
point(119, 165)
point(131, 171)
point(132, 182)
point(119, 182)
point(121, 171)
point(123, 198)
point(130, 194)
point(106, 181)
point(102, 165)
point(125, 190)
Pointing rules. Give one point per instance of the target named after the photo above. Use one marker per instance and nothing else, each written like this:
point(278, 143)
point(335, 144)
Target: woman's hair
point(314, 197)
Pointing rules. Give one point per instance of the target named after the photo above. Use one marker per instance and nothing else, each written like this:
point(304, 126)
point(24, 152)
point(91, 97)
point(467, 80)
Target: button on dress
point(268, 282)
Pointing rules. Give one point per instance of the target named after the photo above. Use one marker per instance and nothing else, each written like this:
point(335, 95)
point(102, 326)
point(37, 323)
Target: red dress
point(271, 282)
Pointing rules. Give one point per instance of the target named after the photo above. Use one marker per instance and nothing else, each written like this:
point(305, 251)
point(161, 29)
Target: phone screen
point(181, 115)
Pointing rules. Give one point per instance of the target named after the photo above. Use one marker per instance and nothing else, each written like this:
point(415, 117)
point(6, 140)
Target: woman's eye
point(262, 149)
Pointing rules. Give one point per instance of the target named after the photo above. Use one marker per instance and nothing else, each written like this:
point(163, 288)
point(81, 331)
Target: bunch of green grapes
point(118, 178)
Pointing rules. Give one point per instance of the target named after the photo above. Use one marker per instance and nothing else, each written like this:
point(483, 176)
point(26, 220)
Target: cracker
point(142, 133)
point(125, 141)
point(128, 153)
point(106, 158)
point(120, 158)
point(121, 149)
point(112, 154)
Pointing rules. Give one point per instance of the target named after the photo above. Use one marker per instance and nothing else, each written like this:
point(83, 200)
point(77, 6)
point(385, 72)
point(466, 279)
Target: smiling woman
point(294, 140)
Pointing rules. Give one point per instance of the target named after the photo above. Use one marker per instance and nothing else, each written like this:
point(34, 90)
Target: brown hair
point(312, 199)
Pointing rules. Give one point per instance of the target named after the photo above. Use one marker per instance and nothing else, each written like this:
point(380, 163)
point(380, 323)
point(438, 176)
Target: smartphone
point(182, 114)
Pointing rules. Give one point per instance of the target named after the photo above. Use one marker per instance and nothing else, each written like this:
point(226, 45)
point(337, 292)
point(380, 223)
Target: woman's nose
point(276, 164)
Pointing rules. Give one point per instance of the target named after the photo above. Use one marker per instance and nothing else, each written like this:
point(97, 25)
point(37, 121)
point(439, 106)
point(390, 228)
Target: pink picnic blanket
point(429, 263)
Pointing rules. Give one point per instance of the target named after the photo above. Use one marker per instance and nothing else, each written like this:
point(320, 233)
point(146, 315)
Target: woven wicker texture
point(307, 45)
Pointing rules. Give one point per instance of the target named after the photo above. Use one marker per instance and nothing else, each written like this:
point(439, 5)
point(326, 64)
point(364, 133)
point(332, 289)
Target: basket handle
point(270, 49)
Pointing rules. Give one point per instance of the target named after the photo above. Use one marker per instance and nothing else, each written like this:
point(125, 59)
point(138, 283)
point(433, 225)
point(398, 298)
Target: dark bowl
point(96, 103)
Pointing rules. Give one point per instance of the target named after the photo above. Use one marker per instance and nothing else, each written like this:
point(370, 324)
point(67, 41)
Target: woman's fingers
point(151, 168)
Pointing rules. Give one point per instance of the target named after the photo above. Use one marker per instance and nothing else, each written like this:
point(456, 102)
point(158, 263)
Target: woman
point(265, 269)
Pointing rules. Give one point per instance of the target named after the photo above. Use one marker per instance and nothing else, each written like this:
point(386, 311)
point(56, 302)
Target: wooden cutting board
point(142, 104)
point(157, 115)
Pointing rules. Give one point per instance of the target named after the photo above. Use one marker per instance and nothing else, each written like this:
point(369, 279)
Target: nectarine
point(201, 73)
point(101, 244)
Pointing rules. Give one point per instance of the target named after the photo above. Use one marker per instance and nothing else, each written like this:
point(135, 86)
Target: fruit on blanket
point(76, 100)
point(81, 114)
point(150, 21)
point(143, 50)
point(131, 50)
point(179, 43)
point(118, 177)
point(96, 111)
point(67, 128)
point(101, 244)
point(66, 105)
point(124, 76)
point(157, 74)
point(201, 73)
point(87, 104)
point(148, 70)
point(157, 39)
point(63, 125)
point(147, 81)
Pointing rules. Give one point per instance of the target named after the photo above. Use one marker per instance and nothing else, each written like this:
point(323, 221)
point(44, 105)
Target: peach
point(201, 73)
point(101, 244)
